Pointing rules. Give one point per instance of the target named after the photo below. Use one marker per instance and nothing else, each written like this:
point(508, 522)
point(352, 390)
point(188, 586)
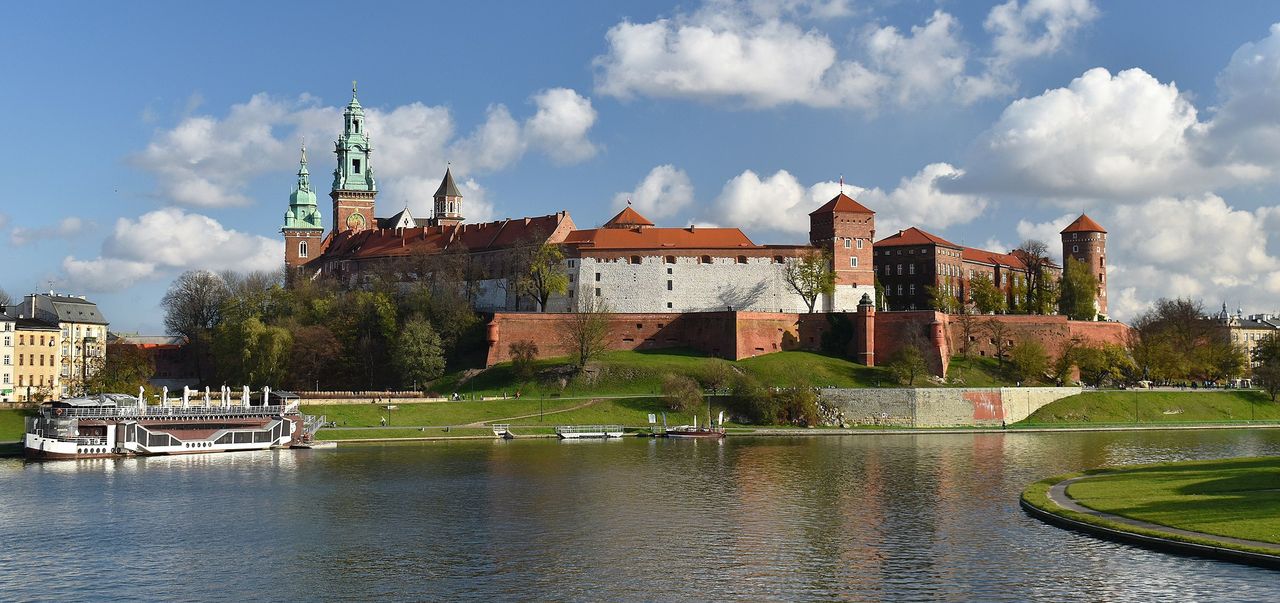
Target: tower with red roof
point(846, 229)
point(1086, 240)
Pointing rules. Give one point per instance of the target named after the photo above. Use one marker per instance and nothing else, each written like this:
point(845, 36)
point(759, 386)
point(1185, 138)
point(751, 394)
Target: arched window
point(302, 249)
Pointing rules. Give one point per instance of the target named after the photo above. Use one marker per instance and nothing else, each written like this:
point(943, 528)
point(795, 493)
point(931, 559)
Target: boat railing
point(171, 411)
point(87, 441)
point(571, 429)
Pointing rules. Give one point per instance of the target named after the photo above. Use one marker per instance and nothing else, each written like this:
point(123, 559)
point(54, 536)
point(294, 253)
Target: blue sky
point(150, 138)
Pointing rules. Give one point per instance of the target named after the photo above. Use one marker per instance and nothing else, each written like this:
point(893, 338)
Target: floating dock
point(580, 432)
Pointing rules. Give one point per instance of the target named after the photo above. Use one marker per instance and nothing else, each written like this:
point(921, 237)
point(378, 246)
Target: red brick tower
point(1086, 240)
point(846, 228)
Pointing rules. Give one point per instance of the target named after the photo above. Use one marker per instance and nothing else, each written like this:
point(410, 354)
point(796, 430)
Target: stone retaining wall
point(941, 407)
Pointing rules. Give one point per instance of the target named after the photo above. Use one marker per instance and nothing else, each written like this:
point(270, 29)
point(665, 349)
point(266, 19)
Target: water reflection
point(914, 516)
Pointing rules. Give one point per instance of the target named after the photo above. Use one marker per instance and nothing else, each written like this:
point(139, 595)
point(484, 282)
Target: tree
point(940, 300)
point(192, 308)
point(1220, 359)
point(798, 406)
point(248, 352)
point(1000, 335)
point(987, 298)
point(1107, 364)
point(1266, 353)
point(716, 375)
point(1040, 289)
point(544, 275)
point(810, 276)
point(523, 353)
point(126, 368)
point(681, 393)
point(311, 360)
point(586, 332)
point(417, 355)
point(906, 364)
point(968, 329)
point(1079, 291)
point(5, 299)
point(1028, 360)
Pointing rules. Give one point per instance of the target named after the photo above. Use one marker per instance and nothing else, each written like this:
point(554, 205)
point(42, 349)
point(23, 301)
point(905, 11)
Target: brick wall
point(1052, 331)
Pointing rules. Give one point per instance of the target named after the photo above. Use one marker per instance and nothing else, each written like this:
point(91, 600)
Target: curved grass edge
point(1036, 503)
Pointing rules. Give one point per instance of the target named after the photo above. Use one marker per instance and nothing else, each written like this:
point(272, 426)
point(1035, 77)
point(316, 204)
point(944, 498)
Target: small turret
point(448, 201)
point(303, 227)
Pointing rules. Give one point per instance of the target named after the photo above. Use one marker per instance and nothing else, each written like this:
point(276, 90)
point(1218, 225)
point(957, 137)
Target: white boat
point(108, 425)
point(579, 432)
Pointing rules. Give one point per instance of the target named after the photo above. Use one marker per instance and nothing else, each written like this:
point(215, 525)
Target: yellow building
point(1246, 331)
point(7, 337)
point(36, 360)
point(82, 341)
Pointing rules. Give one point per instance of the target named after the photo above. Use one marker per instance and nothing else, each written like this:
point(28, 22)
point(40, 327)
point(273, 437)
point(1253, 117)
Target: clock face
point(355, 221)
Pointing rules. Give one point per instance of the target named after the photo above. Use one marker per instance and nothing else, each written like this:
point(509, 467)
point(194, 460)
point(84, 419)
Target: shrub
point(523, 353)
point(681, 393)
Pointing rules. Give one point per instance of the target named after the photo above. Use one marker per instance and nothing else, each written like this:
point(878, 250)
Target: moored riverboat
point(710, 430)
point(110, 425)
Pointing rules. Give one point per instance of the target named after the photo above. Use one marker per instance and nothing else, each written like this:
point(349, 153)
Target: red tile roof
point(659, 238)
point(1084, 224)
point(915, 236)
point(970, 254)
point(393, 242)
point(842, 203)
point(627, 218)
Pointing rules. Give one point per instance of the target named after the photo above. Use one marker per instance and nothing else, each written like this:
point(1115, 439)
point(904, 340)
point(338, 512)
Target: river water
point(892, 517)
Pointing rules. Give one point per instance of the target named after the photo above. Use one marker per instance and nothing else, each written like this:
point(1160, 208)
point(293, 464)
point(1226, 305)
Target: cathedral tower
point(1086, 240)
point(846, 229)
point(303, 230)
point(354, 188)
point(448, 209)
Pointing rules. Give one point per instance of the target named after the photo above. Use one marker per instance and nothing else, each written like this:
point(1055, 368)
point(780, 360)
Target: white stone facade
point(7, 382)
point(691, 284)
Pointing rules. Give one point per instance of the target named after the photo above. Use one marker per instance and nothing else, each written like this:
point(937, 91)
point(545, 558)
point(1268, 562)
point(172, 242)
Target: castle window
point(1075, 248)
point(847, 243)
point(859, 243)
point(302, 249)
point(706, 259)
point(671, 259)
point(912, 289)
point(668, 271)
point(597, 277)
point(668, 285)
point(635, 259)
point(899, 289)
point(355, 165)
point(911, 268)
point(597, 292)
point(899, 269)
point(742, 259)
point(668, 305)
point(853, 262)
point(777, 259)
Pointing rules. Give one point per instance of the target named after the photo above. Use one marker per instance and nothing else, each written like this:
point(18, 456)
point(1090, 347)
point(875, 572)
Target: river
point(892, 517)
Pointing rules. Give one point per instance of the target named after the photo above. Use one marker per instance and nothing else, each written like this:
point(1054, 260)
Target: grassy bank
point(1138, 406)
point(633, 412)
point(1232, 497)
point(12, 423)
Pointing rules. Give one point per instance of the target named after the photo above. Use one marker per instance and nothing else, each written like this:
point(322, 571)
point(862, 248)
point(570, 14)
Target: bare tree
point(5, 299)
point(586, 331)
point(1001, 337)
point(192, 308)
point(1035, 254)
point(968, 321)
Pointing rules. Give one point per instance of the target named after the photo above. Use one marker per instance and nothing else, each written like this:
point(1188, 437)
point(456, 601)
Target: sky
point(149, 138)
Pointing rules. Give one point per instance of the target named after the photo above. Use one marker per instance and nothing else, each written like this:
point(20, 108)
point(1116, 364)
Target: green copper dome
point(303, 212)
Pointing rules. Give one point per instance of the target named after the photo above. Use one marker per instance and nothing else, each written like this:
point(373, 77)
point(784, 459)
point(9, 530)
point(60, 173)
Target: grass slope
point(12, 424)
point(1128, 407)
point(1233, 497)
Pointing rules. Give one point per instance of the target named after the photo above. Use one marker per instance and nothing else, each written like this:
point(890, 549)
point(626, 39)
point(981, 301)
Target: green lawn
point(12, 425)
point(981, 371)
point(435, 413)
point(1233, 497)
point(1128, 407)
point(404, 433)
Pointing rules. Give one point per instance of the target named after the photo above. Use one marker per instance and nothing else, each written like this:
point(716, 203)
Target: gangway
point(503, 430)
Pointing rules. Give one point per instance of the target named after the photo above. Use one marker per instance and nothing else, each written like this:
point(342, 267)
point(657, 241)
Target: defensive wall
point(872, 337)
point(940, 407)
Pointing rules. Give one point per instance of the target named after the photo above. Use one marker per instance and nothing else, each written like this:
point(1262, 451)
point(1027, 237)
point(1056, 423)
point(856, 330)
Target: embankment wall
point(941, 407)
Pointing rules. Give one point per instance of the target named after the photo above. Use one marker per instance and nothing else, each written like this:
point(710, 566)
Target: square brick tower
point(846, 229)
point(1086, 240)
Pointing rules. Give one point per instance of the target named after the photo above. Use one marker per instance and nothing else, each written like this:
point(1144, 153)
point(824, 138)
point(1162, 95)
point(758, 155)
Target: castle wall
point(1054, 332)
point(941, 407)
point(685, 285)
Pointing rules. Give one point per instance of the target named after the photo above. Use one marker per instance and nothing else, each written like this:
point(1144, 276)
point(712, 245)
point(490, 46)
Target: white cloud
point(1037, 28)
point(926, 64)
point(1049, 232)
point(206, 161)
point(561, 125)
point(780, 203)
point(1129, 137)
point(105, 274)
point(663, 193)
point(65, 228)
point(1197, 247)
point(1118, 136)
point(171, 239)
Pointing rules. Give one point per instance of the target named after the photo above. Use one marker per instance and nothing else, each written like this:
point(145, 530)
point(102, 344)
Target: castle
point(631, 266)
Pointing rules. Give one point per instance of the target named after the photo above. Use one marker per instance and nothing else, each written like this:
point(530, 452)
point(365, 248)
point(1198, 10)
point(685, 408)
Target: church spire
point(354, 171)
point(448, 206)
point(303, 212)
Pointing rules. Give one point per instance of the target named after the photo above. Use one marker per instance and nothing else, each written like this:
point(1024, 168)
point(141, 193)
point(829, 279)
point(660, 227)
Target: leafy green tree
point(125, 369)
point(797, 406)
point(681, 393)
point(987, 298)
point(417, 355)
point(248, 352)
point(545, 276)
point(1266, 353)
point(940, 300)
point(1028, 360)
point(751, 398)
point(1102, 365)
point(906, 364)
point(1079, 291)
point(810, 276)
